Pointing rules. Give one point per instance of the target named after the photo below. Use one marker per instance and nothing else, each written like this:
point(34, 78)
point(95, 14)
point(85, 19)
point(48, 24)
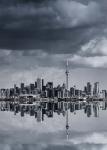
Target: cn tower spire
point(67, 75)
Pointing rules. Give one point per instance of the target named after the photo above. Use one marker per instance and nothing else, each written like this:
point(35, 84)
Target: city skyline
point(49, 90)
point(41, 89)
point(56, 76)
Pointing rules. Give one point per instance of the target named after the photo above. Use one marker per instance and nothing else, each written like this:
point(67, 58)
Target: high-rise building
point(72, 91)
point(55, 92)
point(85, 90)
point(49, 88)
point(96, 89)
point(104, 94)
point(49, 85)
point(63, 91)
point(32, 87)
point(35, 84)
point(77, 92)
point(39, 84)
point(14, 89)
point(42, 84)
point(89, 88)
point(22, 86)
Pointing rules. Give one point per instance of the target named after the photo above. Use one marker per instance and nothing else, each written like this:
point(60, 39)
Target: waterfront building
point(85, 90)
point(104, 94)
point(39, 84)
point(22, 86)
point(96, 89)
point(35, 84)
point(72, 91)
point(77, 93)
point(89, 88)
point(42, 84)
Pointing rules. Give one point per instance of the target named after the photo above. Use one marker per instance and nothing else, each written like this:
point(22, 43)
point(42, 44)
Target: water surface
point(87, 128)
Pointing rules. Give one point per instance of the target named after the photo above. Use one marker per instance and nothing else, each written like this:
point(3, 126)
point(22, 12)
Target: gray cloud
point(70, 16)
point(56, 26)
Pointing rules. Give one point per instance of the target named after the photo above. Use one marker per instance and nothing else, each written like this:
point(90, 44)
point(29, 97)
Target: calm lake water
point(87, 128)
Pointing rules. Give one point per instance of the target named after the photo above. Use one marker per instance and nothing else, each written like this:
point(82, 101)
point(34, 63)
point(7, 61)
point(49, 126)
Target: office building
point(96, 89)
point(39, 84)
point(89, 88)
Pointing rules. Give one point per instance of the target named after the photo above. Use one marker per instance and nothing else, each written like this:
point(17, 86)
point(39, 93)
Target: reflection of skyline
point(51, 130)
point(40, 110)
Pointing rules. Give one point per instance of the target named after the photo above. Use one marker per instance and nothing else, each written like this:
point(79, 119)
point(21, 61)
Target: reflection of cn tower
point(67, 123)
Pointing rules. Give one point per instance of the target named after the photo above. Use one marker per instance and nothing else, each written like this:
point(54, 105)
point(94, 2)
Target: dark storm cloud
point(53, 26)
point(57, 41)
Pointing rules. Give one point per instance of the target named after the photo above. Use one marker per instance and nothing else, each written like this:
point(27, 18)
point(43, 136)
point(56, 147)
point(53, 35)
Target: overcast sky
point(37, 36)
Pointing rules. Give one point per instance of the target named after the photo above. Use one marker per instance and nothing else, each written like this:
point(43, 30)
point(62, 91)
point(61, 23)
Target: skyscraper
point(49, 87)
point(96, 89)
point(42, 84)
point(35, 84)
point(89, 88)
point(14, 89)
point(72, 92)
point(22, 86)
point(32, 87)
point(39, 84)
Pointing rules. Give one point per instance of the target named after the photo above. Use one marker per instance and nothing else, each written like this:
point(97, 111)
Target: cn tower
point(67, 75)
